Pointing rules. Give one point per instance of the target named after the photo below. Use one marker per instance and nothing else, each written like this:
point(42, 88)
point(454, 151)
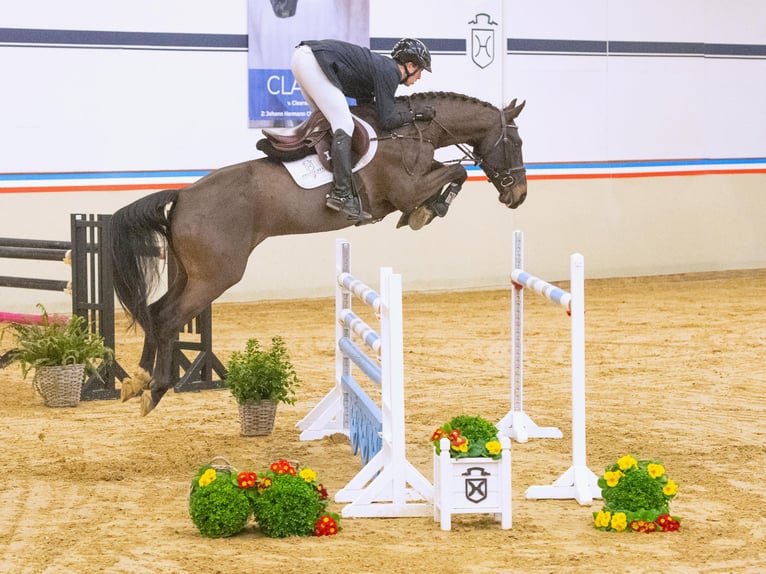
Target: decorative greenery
point(256, 374)
point(291, 503)
point(56, 341)
point(284, 502)
point(637, 495)
point(469, 437)
point(219, 504)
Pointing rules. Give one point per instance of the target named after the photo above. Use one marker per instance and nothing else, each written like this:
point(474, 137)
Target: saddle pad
point(308, 172)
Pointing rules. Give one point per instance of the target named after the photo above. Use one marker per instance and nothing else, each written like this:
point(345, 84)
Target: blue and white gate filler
point(388, 485)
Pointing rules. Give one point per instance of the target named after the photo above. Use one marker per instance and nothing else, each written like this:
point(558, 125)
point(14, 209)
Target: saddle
point(314, 136)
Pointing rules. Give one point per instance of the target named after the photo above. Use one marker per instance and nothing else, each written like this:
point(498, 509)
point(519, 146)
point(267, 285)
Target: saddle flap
point(360, 143)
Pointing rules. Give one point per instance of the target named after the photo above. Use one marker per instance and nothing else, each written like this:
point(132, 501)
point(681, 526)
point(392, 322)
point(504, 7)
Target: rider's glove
point(425, 114)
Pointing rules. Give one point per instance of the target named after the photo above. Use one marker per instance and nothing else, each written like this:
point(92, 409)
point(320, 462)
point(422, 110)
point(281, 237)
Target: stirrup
point(350, 205)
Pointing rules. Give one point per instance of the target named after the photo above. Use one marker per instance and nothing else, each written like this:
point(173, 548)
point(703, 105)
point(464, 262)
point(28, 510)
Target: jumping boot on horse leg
point(344, 196)
point(436, 205)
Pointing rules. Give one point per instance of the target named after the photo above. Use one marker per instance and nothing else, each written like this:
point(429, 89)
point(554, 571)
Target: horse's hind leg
point(172, 316)
point(141, 379)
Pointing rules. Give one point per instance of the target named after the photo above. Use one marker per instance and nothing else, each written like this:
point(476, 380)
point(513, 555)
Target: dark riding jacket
point(362, 75)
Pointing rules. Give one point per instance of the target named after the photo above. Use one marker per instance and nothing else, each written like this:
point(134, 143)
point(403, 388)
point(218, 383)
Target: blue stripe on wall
point(238, 42)
point(110, 39)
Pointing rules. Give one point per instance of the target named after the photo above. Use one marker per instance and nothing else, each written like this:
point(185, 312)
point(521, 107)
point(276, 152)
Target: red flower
point(459, 441)
point(322, 491)
point(247, 479)
point(282, 467)
point(643, 526)
point(667, 523)
point(326, 526)
point(438, 434)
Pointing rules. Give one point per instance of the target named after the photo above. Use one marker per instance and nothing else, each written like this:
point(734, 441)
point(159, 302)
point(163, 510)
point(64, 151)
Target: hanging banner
point(275, 27)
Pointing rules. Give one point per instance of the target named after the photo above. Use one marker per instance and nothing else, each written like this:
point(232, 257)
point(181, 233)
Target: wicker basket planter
point(60, 386)
point(256, 418)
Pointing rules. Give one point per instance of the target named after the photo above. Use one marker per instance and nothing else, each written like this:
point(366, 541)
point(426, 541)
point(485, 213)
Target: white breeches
point(319, 92)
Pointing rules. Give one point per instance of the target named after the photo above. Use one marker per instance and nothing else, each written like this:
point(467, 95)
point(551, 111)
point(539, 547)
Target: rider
point(328, 71)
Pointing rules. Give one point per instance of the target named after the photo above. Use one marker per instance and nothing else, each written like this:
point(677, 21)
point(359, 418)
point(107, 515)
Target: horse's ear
point(513, 111)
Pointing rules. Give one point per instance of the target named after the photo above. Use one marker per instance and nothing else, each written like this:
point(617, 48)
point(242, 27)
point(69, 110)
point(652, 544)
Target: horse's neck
point(462, 125)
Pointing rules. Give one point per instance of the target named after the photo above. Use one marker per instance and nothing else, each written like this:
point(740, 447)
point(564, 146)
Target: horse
point(212, 225)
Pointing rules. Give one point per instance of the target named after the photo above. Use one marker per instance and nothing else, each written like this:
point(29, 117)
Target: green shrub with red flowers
point(218, 505)
point(283, 500)
point(469, 437)
point(637, 495)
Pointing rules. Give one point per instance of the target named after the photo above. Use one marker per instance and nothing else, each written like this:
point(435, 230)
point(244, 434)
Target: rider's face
point(414, 72)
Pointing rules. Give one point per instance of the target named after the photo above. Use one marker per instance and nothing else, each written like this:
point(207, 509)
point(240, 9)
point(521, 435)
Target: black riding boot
point(344, 196)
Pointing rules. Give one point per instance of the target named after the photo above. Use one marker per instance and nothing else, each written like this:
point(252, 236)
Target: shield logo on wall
point(476, 484)
point(482, 40)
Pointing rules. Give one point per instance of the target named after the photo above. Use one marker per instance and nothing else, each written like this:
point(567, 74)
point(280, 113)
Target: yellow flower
point(627, 462)
point(619, 521)
point(602, 519)
point(493, 447)
point(462, 447)
point(308, 475)
point(612, 478)
point(670, 488)
point(655, 470)
point(207, 477)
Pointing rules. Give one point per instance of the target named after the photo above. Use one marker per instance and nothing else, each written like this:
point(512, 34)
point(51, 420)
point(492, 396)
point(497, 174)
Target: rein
point(503, 178)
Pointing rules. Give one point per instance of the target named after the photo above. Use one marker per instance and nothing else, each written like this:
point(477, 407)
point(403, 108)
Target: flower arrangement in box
point(470, 436)
point(637, 495)
point(283, 501)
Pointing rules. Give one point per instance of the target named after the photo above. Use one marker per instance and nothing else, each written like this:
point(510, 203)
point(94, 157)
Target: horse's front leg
point(438, 188)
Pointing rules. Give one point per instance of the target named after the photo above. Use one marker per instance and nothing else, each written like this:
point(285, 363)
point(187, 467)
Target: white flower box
point(472, 485)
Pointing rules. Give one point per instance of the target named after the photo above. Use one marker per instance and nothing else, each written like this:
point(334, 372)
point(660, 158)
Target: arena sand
point(675, 371)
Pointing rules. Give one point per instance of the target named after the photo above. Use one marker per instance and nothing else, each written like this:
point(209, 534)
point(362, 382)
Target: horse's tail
point(134, 232)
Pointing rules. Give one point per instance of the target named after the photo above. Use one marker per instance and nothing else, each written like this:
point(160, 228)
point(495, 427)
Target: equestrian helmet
point(412, 50)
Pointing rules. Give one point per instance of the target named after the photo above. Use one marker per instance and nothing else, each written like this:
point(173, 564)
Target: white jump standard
point(578, 482)
point(388, 485)
point(517, 424)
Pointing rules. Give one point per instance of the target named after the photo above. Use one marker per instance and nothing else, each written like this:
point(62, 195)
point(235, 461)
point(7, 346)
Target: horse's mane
point(445, 96)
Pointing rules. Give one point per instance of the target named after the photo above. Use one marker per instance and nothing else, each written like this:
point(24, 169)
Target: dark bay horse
point(213, 225)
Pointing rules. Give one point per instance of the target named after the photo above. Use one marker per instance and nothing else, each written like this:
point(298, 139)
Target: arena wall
point(643, 134)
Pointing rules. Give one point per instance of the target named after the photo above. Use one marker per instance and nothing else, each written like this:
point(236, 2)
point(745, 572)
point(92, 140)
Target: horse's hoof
point(134, 386)
point(147, 404)
point(421, 217)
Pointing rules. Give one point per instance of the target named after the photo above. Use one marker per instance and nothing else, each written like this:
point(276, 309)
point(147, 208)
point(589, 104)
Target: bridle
point(503, 178)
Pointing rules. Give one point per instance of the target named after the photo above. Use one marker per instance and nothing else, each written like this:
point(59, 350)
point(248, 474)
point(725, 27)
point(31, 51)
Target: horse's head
point(500, 157)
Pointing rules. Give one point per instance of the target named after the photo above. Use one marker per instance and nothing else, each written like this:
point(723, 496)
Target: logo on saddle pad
point(482, 40)
point(476, 488)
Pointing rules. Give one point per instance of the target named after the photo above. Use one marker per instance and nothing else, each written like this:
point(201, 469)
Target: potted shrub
point(59, 350)
point(259, 380)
